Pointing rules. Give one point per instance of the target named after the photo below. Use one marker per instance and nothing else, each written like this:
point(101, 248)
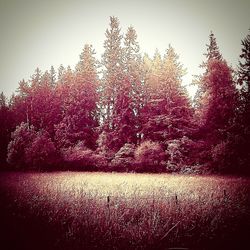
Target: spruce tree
point(133, 71)
point(242, 124)
point(213, 52)
point(52, 76)
point(79, 105)
point(167, 111)
point(113, 70)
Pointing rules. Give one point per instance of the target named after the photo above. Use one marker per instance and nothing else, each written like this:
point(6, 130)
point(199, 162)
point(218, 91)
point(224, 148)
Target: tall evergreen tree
point(19, 103)
point(242, 124)
point(79, 106)
point(52, 76)
point(113, 70)
point(167, 112)
point(61, 72)
point(133, 67)
point(213, 52)
point(133, 71)
point(243, 77)
point(220, 98)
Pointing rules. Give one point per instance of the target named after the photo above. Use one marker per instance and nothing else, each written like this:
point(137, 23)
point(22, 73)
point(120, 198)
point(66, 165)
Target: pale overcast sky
point(36, 33)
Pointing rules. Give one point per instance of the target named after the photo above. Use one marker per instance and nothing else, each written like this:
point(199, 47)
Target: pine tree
point(36, 78)
point(113, 70)
point(167, 112)
point(213, 52)
point(52, 76)
point(242, 124)
point(123, 119)
point(79, 105)
point(220, 99)
point(218, 115)
point(20, 103)
point(243, 76)
point(132, 86)
point(61, 72)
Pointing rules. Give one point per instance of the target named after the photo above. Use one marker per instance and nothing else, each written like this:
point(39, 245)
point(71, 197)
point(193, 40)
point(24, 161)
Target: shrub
point(42, 153)
point(223, 156)
point(31, 149)
point(83, 158)
point(175, 156)
point(181, 153)
point(124, 158)
point(149, 156)
point(104, 147)
point(22, 139)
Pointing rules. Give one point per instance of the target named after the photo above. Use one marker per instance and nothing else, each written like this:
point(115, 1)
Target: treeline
point(130, 112)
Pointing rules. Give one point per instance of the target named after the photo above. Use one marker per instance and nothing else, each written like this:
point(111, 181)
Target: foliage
point(149, 156)
point(124, 159)
point(82, 158)
point(241, 131)
point(41, 154)
point(112, 70)
point(29, 149)
point(167, 112)
point(98, 112)
point(213, 52)
point(7, 126)
point(22, 139)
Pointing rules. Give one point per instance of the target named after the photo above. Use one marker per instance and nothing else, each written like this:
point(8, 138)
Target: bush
point(175, 155)
point(82, 158)
point(22, 139)
point(181, 153)
point(31, 149)
point(124, 158)
point(223, 156)
point(149, 156)
point(42, 153)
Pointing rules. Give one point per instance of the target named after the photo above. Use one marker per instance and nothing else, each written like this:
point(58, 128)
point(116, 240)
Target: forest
point(130, 112)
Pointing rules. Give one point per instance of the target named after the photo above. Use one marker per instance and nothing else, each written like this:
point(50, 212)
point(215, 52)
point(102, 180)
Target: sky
point(35, 33)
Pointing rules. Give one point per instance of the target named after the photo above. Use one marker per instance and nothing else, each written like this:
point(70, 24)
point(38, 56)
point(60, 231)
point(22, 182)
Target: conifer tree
point(61, 72)
point(52, 76)
point(167, 111)
point(124, 119)
point(243, 77)
point(242, 124)
point(133, 68)
point(213, 52)
point(113, 70)
point(220, 98)
point(79, 106)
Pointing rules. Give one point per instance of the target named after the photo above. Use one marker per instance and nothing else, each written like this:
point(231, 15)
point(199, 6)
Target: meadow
point(72, 210)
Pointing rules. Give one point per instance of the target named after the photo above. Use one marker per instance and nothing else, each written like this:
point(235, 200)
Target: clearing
point(72, 210)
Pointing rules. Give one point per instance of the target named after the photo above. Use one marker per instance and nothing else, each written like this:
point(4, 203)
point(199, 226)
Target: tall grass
point(124, 211)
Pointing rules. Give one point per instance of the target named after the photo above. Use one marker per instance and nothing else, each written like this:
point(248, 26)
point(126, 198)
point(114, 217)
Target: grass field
point(71, 210)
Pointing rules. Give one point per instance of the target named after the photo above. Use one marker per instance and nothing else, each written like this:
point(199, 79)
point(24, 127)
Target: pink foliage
point(124, 158)
point(80, 157)
point(149, 154)
point(42, 153)
point(21, 139)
